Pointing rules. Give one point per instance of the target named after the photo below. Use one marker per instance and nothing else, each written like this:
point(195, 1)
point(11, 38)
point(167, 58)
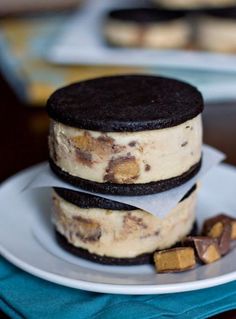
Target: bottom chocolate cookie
point(126, 189)
point(85, 254)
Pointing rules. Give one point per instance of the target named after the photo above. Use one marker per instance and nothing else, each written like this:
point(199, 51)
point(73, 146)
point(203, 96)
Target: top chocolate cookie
point(125, 103)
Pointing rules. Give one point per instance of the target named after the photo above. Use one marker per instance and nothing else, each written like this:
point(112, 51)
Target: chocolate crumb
point(157, 232)
point(147, 167)
point(132, 144)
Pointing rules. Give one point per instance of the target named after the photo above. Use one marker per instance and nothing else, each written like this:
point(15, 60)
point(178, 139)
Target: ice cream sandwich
point(147, 28)
point(126, 135)
point(114, 233)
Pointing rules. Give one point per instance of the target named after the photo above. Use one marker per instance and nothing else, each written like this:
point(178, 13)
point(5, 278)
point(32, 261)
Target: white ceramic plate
point(26, 240)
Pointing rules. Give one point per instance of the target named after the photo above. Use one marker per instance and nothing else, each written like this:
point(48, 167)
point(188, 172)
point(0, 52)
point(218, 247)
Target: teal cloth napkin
point(25, 296)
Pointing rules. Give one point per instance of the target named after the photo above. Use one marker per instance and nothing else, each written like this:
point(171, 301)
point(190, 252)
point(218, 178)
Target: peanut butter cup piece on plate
point(175, 259)
point(206, 249)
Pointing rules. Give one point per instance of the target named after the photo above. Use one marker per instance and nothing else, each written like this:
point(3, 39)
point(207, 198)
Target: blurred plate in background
point(81, 42)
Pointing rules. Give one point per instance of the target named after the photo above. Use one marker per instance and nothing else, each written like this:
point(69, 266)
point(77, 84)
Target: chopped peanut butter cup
point(220, 227)
point(175, 259)
point(207, 249)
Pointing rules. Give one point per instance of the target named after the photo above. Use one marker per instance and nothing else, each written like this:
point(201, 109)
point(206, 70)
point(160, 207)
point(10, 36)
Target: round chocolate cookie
point(126, 135)
point(126, 189)
point(126, 103)
point(85, 200)
point(85, 254)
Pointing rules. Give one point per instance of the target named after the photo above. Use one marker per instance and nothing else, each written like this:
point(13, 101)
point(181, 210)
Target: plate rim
point(134, 289)
point(116, 288)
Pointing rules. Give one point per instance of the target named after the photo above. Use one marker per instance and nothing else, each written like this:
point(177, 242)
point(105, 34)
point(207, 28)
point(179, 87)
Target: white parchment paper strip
point(157, 204)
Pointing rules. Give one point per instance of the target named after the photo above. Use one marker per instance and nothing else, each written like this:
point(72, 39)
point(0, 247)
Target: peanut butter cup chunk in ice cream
point(126, 135)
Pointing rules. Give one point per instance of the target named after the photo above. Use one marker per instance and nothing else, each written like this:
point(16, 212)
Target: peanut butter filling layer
point(217, 34)
point(122, 234)
point(171, 34)
point(126, 157)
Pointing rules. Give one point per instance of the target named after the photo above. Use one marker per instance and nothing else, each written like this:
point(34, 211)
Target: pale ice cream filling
point(126, 157)
point(170, 34)
point(122, 234)
point(217, 34)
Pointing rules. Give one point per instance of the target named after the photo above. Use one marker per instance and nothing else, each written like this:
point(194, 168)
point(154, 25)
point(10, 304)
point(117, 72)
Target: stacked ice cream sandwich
point(127, 135)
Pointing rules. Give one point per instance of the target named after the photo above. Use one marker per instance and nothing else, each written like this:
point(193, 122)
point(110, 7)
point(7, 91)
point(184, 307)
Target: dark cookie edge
point(142, 259)
point(84, 200)
point(126, 189)
point(121, 125)
point(152, 15)
point(226, 13)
